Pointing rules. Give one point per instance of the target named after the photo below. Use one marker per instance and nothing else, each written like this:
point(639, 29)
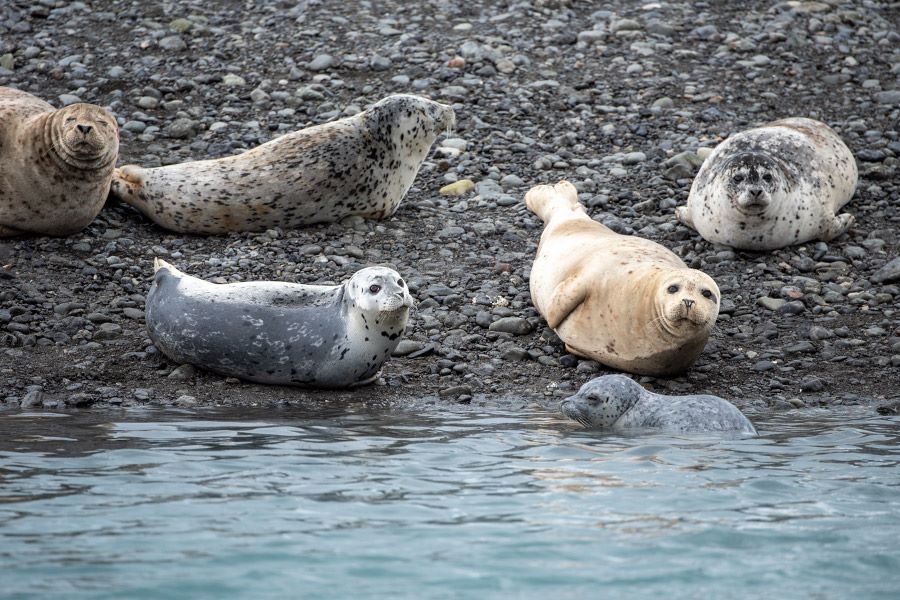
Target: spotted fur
point(55, 165)
point(773, 186)
point(281, 333)
point(361, 165)
point(617, 402)
point(621, 300)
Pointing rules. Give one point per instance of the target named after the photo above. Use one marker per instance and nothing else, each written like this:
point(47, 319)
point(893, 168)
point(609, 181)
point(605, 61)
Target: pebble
point(458, 188)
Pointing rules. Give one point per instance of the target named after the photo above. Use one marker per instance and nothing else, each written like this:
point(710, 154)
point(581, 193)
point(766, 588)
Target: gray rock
point(513, 325)
point(321, 62)
point(889, 272)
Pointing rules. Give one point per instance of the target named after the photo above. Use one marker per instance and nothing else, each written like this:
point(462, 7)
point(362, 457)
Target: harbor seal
point(621, 300)
point(55, 164)
point(277, 332)
point(773, 186)
point(362, 165)
point(617, 402)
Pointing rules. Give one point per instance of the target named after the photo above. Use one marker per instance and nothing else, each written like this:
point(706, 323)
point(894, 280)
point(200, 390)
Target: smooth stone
point(458, 188)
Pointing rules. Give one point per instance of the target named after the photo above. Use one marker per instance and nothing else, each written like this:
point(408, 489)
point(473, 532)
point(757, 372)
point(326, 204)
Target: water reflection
point(453, 500)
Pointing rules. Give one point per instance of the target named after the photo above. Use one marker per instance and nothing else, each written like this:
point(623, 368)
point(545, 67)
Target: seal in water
point(617, 402)
point(362, 165)
point(55, 164)
point(773, 186)
point(621, 300)
point(277, 332)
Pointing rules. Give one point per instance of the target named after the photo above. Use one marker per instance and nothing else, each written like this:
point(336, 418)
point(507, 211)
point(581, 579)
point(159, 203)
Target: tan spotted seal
point(773, 186)
point(278, 332)
point(361, 165)
point(624, 301)
point(55, 164)
point(617, 402)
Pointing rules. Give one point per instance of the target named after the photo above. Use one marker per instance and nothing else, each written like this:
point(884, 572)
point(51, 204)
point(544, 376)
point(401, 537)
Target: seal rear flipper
point(544, 200)
point(161, 267)
point(127, 184)
point(565, 298)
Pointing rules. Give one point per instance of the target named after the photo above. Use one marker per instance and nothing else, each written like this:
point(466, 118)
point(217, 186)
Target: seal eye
point(738, 178)
point(374, 288)
point(707, 294)
point(69, 119)
point(400, 282)
point(672, 289)
point(767, 177)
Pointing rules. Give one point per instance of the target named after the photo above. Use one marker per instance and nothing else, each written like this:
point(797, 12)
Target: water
point(443, 503)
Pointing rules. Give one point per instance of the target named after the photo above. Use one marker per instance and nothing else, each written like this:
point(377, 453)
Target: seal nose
point(85, 129)
point(688, 303)
point(755, 192)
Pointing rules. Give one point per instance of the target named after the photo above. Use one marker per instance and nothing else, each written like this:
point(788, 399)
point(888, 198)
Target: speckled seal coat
point(55, 165)
point(361, 165)
point(621, 300)
point(282, 333)
point(773, 186)
point(617, 402)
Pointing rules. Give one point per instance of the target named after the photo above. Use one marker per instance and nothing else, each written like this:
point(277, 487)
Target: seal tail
point(544, 200)
point(127, 185)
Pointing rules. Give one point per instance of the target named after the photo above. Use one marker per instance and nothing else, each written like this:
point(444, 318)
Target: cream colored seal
point(361, 165)
point(773, 186)
point(55, 165)
point(621, 300)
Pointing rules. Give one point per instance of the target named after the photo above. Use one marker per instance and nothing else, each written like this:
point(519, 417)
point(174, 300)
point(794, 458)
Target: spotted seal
point(276, 332)
point(361, 165)
point(55, 164)
point(773, 186)
point(621, 300)
point(617, 402)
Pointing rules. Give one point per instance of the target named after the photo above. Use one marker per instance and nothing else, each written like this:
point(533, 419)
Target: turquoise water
point(443, 503)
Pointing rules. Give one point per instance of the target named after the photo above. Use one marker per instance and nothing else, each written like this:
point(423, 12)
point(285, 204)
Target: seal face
point(361, 165)
point(617, 402)
point(277, 332)
point(55, 165)
point(621, 300)
point(773, 186)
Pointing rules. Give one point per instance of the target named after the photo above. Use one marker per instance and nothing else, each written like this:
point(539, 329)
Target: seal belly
point(258, 343)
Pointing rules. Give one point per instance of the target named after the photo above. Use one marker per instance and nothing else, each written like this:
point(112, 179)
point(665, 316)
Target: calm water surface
point(443, 503)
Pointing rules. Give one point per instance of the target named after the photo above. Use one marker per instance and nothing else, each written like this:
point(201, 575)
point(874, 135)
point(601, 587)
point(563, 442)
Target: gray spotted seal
point(773, 186)
point(361, 165)
point(617, 402)
point(621, 300)
point(55, 164)
point(277, 332)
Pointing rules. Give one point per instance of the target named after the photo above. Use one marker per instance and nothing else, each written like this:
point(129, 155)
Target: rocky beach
point(623, 99)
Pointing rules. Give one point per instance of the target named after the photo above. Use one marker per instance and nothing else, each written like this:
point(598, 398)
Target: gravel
point(624, 102)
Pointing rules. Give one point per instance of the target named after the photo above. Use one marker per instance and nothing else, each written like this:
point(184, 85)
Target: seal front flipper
point(8, 231)
point(838, 226)
point(683, 214)
point(566, 297)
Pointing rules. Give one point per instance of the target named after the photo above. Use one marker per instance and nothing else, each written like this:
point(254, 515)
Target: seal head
point(754, 181)
point(687, 301)
point(601, 402)
point(85, 136)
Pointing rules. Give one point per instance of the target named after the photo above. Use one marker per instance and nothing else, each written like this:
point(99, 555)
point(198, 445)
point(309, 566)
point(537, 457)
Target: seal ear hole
point(374, 288)
point(672, 289)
